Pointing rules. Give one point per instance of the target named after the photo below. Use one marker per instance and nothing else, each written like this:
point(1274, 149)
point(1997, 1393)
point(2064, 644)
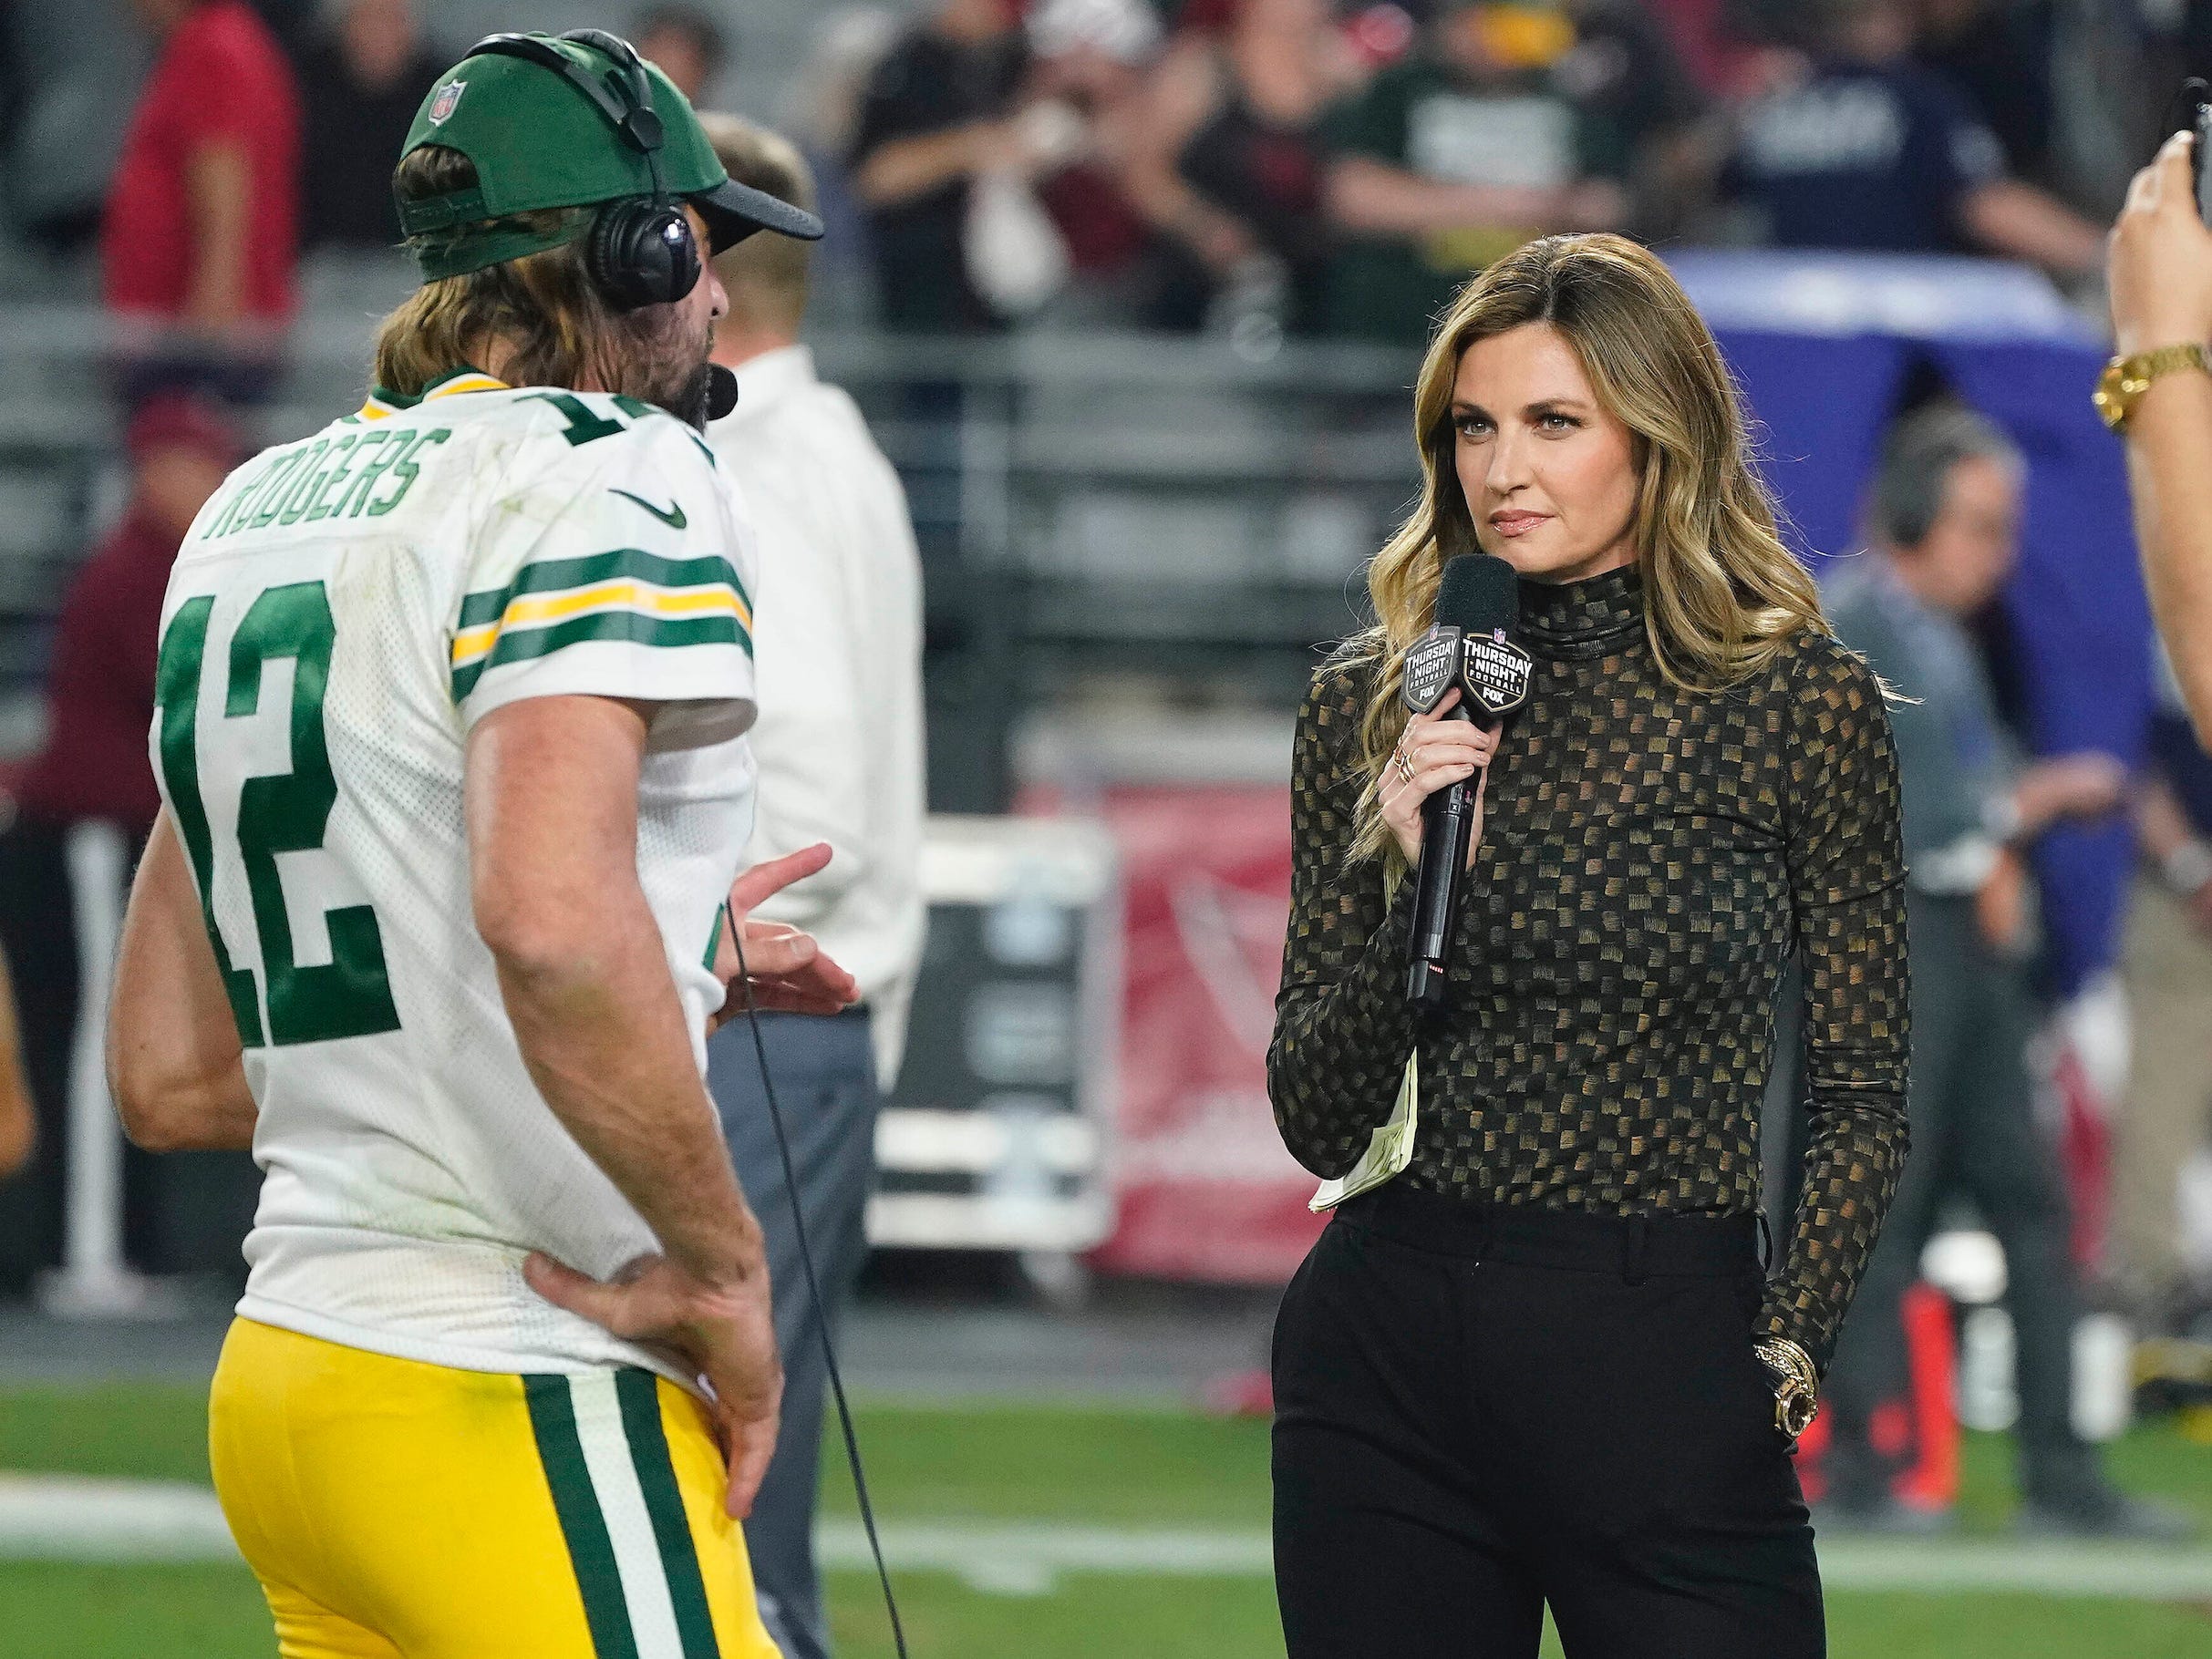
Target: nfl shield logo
point(447, 102)
point(1497, 673)
point(1430, 666)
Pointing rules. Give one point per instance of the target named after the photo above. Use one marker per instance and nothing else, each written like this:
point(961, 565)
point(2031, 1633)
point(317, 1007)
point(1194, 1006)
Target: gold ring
point(1405, 767)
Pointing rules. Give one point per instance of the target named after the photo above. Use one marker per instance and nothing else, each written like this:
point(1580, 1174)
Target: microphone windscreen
point(723, 392)
point(1479, 592)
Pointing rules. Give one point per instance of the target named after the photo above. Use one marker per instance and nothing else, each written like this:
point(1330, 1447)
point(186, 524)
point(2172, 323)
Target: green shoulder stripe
point(557, 575)
point(523, 644)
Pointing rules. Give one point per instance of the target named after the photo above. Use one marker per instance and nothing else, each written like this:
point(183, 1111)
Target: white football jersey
point(341, 613)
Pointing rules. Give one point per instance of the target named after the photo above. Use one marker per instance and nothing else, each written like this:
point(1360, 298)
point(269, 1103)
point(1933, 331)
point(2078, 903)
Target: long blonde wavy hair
point(1722, 595)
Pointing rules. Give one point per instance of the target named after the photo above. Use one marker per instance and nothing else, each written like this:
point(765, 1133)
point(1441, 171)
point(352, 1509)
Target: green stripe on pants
point(680, 1560)
point(553, 1419)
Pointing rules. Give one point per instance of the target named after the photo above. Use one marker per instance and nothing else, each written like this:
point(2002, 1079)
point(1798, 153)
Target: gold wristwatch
point(2126, 379)
point(1796, 1383)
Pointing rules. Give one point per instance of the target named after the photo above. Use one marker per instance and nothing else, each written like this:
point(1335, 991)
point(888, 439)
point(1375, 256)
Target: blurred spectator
point(685, 42)
point(93, 766)
point(1225, 164)
point(827, 94)
point(990, 157)
point(71, 73)
point(934, 116)
point(1945, 523)
point(822, 110)
point(100, 688)
point(1872, 150)
point(839, 745)
point(1458, 153)
point(1998, 55)
point(364, 77)
point(1651, 124)
point(2168, 961)
point(198, 248)
point(1089, 62)
point(1704, 34)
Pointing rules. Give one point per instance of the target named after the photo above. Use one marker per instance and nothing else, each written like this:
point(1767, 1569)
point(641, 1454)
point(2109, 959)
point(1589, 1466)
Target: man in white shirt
point(839, 743)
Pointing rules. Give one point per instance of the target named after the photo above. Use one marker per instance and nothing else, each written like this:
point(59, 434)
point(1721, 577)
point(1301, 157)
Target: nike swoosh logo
point(671, 515)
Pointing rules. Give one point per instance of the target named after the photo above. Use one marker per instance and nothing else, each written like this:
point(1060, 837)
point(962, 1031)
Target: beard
point(689, 402)
point(666, 364)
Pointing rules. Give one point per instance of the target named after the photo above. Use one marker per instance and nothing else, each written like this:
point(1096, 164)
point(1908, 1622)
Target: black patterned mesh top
point(1649, 858)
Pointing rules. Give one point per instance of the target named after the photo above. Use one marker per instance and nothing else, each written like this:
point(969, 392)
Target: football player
point(440, 911)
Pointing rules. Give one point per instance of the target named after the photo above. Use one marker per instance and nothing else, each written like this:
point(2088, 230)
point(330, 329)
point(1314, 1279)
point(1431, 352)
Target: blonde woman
point(1546, 1363)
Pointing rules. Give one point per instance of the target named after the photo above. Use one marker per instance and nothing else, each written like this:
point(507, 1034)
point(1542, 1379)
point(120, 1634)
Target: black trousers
point(1482, 1411)
point(824, 1074)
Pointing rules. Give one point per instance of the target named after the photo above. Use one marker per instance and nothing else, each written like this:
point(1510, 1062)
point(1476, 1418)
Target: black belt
point(1636, 1246)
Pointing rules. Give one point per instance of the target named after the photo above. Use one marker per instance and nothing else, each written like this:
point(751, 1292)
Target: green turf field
point(1114, 1474)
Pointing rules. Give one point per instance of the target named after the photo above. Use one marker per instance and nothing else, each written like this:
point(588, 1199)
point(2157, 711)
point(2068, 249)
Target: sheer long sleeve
point(1342, 1028)
point(1652, 856)
point(1846, 871)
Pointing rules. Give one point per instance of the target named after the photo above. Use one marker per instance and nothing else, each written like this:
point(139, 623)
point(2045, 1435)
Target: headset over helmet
point(629, 145)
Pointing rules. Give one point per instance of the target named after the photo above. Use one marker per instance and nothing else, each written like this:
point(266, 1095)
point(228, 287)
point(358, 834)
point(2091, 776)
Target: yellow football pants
point(394, 1509)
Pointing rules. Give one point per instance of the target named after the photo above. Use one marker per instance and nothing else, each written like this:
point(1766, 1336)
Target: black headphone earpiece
point(640, 251)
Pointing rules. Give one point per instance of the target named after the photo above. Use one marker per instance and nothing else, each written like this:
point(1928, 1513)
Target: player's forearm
point(186, 1114)
point(175, 1066)
point(601, 1032)
point(2169, 438)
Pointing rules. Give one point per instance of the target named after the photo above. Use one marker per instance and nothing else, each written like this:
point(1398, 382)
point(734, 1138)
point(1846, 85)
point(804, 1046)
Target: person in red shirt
point(93, 766)
point(199, 240)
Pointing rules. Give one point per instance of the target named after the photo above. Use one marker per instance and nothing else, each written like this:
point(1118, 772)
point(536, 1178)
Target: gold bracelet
point(1796, 1383)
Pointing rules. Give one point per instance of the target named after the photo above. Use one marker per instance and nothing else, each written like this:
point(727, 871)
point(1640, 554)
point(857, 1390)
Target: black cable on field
point(813, 1289)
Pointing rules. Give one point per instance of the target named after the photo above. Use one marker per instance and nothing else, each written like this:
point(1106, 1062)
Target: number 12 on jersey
point(350, 996)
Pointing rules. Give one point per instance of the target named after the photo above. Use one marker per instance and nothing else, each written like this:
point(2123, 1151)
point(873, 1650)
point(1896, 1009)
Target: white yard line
point(67, 1518)
point(60, 1517)
point(1033, 1552)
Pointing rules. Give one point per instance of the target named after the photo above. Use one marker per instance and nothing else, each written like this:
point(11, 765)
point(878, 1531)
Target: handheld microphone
point(1477, 604)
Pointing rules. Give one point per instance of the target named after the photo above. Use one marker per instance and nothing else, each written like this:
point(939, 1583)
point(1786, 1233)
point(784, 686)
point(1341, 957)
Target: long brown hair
point(1722, 595)
point(543, 307)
